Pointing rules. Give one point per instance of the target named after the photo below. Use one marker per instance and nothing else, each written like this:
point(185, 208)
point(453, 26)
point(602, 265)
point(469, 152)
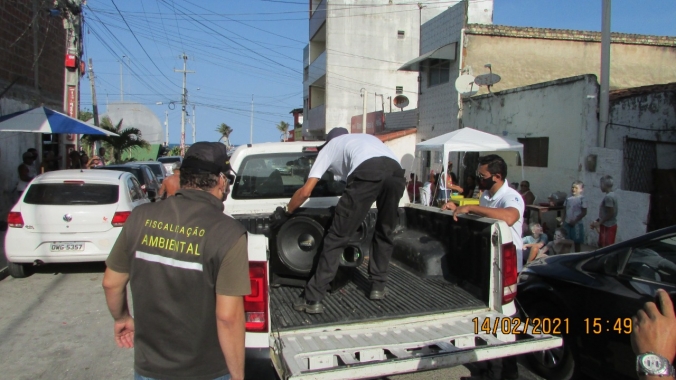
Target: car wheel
point(555, 364)
point(17, 270)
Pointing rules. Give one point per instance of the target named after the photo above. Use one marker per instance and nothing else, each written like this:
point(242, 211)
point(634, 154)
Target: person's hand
point(594, 225)
point(124, 332)
point(449, 206)
point(459, 211)
point(278, 218)
point(655, 329)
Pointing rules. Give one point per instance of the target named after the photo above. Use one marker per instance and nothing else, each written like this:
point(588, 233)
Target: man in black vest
point(373, 174)
point(188, 268)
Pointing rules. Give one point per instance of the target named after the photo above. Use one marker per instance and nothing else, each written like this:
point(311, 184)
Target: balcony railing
point(316, 119)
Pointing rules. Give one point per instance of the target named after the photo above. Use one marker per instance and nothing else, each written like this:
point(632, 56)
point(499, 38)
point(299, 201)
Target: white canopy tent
point(469, 140)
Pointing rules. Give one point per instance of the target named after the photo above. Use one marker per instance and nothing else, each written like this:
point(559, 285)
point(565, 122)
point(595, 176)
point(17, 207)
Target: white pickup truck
point(451, 285)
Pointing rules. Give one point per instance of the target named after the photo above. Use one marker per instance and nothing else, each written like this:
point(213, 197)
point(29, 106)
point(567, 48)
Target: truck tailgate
point(391, 347)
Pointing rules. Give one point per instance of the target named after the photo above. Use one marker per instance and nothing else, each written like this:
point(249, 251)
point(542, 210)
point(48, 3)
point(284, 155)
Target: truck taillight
point(509, 273)
point(256, 303)
point(120, 217)
point(15, 220)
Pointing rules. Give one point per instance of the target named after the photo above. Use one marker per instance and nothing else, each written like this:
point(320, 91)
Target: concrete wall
point(557, 110)
point(646, 116)
point(438, 105)
point(27, 82)
point(404, 148)
point(565, 111)
point(364, 51)
point(524, 61)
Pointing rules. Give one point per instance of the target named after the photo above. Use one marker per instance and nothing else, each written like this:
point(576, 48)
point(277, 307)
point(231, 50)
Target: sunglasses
point(478, 175)
point(229, 177)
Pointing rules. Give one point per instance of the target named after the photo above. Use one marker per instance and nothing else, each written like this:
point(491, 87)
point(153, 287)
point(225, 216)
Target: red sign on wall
point(72, 112)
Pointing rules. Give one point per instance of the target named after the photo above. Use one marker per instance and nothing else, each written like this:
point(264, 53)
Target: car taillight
point(509, 273)
point(15, 220)
point(256, 303)
point(120, 217)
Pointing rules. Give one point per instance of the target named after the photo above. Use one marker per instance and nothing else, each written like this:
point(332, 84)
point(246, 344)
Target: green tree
point(175, 151)
point(283, 127)
point(225, 132)
point(127, 138)
point(85, 114)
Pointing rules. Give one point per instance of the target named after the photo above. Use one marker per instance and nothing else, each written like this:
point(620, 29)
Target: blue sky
point(254, 47)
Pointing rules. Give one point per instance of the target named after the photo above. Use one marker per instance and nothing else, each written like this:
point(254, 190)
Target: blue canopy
point(44, 120)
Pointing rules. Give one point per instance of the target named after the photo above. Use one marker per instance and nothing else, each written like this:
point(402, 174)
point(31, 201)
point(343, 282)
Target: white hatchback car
point(69, 216)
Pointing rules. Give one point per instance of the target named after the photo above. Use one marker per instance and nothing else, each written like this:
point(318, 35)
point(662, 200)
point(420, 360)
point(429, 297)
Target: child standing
point(576, 209)
point(606, 224)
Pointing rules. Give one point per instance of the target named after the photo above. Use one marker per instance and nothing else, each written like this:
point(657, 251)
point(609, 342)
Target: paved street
point(55, 325)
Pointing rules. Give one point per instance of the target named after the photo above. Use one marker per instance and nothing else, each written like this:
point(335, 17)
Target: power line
point(139, 42)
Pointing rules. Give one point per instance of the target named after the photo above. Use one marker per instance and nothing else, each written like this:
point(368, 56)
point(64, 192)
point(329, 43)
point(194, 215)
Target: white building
point(558, 124)
point(359, 47)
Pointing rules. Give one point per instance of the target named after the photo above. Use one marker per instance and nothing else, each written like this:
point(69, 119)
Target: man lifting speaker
point(372, 174)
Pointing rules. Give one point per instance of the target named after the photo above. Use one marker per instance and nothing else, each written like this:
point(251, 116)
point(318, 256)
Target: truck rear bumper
point(257, 364)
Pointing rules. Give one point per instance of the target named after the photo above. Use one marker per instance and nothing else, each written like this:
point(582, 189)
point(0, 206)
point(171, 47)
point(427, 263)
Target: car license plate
point(67, 246)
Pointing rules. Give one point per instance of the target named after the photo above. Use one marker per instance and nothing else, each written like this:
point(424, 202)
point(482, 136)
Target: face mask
point(485, 183)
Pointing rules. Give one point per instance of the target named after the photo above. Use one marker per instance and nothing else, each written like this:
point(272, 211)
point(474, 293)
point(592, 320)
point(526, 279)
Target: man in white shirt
point(498, 201)
point(373, 174)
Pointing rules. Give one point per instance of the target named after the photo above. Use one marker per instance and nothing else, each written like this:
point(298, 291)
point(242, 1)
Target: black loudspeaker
point(299, 241)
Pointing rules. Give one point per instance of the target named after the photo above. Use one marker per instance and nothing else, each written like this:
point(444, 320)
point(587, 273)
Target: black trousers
point(379, 180)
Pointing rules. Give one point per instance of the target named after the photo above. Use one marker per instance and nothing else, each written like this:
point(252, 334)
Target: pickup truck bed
point(408, 295)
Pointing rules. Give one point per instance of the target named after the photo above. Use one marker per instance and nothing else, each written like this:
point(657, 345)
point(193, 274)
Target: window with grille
point(399, 90)
point(439, 71)
point(401, 34)
point(535, 151)
point(640, 158)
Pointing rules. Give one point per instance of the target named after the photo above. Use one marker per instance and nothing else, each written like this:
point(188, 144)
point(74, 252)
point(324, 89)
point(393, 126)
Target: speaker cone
point(298, 241)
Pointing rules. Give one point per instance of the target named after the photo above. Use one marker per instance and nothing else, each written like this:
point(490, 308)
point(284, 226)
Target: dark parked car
point(156, 167)
point(592, 296)
point(149, 183)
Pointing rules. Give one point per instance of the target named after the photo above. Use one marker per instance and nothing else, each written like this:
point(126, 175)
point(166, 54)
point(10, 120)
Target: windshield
point(279, 176)
point(157, 169)
point(71, 193)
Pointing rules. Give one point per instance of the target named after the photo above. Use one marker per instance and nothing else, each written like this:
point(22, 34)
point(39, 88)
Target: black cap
point(208, 157)
point(335, 132)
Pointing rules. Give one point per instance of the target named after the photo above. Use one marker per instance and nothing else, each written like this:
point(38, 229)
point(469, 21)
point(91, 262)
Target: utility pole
point(251, 126)
point(193, 124)
point(72, 23)
point(363, 111)
point(166, 127)
point(95, 107)
point(184, 99)
point(121, 85)
point(604, 101)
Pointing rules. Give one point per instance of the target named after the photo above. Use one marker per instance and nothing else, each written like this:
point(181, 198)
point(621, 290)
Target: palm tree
point(283, 127)
point(225, 132)
point(127, 138)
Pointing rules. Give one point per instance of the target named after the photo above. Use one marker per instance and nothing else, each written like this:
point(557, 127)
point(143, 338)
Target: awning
point(444, 52)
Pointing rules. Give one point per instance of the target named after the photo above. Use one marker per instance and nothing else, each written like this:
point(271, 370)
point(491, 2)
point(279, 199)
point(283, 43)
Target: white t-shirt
point(344, 153)
point(503, 198)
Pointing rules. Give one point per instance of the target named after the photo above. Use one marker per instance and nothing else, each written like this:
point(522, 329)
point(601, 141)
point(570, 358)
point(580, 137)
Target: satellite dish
point(487, 79)
point(465, 85)
point(400, 101)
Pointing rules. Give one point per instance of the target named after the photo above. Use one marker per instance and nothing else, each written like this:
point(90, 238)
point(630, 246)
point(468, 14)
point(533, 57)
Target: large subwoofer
point(298, 242)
